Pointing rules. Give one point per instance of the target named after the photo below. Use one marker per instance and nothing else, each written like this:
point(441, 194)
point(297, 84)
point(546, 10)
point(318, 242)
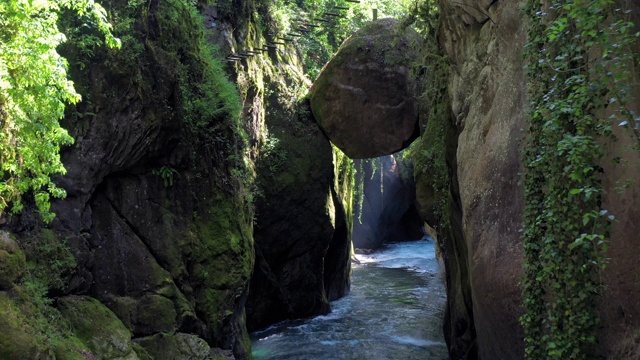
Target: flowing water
point(394, 311)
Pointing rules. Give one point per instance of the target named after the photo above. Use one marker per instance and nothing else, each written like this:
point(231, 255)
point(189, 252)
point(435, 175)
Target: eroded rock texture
point(487, 94)
point(487, 91)
point(388, 211)
point(365, 97)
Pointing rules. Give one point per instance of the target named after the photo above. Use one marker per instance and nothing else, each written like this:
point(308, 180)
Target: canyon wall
point(486, 89)
point(151, 253)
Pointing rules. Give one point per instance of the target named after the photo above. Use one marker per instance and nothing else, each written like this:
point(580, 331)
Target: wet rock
point(365, 97)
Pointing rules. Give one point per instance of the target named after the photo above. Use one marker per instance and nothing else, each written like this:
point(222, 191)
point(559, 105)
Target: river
point(394, 311)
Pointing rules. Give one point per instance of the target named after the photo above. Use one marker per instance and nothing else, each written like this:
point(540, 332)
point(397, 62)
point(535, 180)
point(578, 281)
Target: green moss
point(34, 326)
point(222, 257)
point(155, 313)
point(12, 261)
point(49, 259)
point(71, 349)
point(181, 304)
point(12, 266)
point(429, 155)
point(345, 184)
point(17, 340)
point(141, 352)
point(164, 51)
point(96, 326)
point(438, 140)
point(31, 326)
point(174, 346)
point(246, 340)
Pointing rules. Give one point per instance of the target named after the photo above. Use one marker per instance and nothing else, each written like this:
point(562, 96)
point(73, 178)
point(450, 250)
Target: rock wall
point(155, 242)
point(487, 93)
point(302, 238)
point(157, 213)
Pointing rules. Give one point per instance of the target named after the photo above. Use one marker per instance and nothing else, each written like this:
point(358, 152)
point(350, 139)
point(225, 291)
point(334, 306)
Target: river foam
point(394, 311)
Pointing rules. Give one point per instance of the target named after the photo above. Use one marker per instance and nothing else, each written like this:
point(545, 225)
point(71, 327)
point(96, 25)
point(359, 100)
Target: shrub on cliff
point(34, 89)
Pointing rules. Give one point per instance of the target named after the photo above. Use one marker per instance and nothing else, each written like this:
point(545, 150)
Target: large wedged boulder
point(365, 97)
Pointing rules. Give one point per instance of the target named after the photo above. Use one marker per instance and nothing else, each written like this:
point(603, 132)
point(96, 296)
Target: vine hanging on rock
point(577, 56)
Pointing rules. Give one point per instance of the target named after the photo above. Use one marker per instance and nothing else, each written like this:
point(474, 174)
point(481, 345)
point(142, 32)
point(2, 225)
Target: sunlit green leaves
point(34, 90)
point(323, 41)
point(577, 61)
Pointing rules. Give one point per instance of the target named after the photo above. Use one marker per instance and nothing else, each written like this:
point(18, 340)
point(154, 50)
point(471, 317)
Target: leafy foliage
point(329, 22)
point(50, 264)
point(166, 173)
point(344, 182)
point(577, 58)
point(33, 91)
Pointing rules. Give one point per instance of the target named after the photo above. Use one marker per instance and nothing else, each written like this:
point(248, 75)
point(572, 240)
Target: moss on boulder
point(97, 327)
point(154, 313)
point(16, 342)
point(221, 243)
point(12, 261)
point(72, 349)
point(166, 346)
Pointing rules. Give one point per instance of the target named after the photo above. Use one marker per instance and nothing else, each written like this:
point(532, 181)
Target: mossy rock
point(222, 258)
point(16, 341)
point(72, 349)
point(167, 346)
point(154, 313)
point(12, 261)
point(141, 352)
point(97, 327)
point(50, 259)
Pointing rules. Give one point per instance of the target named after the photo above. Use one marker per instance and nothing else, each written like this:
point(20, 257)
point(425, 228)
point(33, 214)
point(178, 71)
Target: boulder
point(17, 340)
point(97, 327)
point(365, 97)
point(175, 346)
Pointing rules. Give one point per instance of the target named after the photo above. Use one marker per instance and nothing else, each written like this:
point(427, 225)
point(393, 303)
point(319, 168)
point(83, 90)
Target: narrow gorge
point(229, 159)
